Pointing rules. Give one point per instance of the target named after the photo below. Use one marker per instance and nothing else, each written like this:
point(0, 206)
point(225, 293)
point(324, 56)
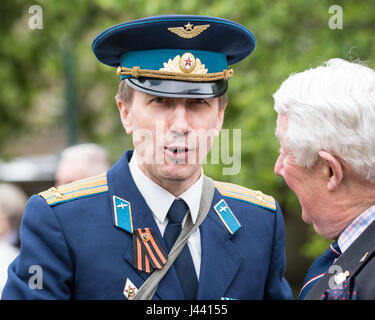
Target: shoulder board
point(78, 189)
point(235, 191)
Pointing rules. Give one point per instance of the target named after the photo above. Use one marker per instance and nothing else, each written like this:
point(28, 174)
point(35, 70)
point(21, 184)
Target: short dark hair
point(125, 92)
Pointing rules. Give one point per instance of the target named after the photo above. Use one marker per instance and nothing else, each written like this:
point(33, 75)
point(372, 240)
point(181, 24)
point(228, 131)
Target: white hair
point(331, 108)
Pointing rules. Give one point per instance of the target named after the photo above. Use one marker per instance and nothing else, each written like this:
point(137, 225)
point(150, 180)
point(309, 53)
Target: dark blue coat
point(70, 234)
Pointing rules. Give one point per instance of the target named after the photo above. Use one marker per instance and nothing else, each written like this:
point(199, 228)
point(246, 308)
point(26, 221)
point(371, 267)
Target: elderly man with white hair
point(326, 128)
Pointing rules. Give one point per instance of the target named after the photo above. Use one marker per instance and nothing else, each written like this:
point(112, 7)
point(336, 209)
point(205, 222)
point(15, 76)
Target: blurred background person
point(12, 204)
point(7, 254)
point(81, 161)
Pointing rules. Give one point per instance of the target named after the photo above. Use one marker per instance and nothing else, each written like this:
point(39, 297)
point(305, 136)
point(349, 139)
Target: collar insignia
point(123, 214)
point(227, 217)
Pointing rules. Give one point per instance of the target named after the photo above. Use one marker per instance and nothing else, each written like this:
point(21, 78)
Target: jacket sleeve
point(277, 286)
point(43, 268)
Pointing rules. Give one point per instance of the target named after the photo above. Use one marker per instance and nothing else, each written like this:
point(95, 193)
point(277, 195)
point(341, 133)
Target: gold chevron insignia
point(188, 31)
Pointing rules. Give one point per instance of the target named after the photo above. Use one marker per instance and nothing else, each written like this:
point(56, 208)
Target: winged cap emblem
point(189, 31)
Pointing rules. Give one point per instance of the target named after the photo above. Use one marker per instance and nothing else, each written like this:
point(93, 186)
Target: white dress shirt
point(160, 200)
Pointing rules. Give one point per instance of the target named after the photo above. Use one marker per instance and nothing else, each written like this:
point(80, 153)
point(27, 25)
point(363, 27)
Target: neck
point(351, 204)
point(176, 188)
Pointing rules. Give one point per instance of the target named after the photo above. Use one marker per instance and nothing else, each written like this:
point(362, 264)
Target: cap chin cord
point(137, 72)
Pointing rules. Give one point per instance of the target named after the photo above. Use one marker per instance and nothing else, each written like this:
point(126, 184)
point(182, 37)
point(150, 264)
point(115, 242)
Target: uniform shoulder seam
point(77, 189)
point(256, 197)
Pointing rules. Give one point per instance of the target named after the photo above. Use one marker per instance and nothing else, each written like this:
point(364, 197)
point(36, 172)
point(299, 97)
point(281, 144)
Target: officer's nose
point(179, 119)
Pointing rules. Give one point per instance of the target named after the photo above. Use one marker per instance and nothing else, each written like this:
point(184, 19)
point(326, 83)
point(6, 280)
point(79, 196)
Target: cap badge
point(188, 31)
point(187, 63)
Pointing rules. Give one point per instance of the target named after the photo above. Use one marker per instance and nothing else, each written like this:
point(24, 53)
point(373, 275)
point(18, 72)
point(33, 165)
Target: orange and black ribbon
point(148, 253)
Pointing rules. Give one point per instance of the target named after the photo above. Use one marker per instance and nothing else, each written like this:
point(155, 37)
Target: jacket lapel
point(352, 260)
point(220, 259)
point(123, 189)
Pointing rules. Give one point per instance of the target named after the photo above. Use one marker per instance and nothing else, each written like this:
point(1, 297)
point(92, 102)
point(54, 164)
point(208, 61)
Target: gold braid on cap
point(185, 68)
point(137, 72)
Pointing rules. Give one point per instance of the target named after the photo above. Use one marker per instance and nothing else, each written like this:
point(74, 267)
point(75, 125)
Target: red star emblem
point(188, 62)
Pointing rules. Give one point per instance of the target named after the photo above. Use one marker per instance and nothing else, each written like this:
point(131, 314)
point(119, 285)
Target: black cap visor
point(178, 89)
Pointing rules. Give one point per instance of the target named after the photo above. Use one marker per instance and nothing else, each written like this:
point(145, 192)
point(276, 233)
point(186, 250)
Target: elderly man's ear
point(333, 170)
point(125, 114)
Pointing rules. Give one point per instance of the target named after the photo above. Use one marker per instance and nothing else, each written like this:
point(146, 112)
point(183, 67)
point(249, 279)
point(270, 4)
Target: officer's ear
point(333, 170)
point(125, 115)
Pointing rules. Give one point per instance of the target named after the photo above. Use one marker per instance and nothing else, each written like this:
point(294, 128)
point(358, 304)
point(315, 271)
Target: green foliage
point(292, 35)
point(315, 247)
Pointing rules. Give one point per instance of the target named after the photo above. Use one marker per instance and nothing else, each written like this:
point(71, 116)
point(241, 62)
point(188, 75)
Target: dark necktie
point(184, 263)
point(318, 268)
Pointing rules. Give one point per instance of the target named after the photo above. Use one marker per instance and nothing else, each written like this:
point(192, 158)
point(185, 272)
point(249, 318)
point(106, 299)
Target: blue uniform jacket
point(72, 236)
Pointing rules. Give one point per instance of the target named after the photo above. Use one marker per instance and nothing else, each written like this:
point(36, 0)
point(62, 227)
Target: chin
point(325, 232)
point(179, 172)
point(306, 218)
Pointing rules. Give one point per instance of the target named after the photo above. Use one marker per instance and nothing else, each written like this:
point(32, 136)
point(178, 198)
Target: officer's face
point(171, 136)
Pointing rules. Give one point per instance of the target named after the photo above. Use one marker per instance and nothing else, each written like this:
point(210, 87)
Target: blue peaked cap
point(175, 55)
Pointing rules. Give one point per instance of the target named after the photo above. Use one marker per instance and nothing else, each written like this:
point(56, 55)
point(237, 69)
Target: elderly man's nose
point(278, 166)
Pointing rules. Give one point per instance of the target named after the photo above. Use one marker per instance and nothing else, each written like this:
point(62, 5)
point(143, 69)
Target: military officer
point(105, 236)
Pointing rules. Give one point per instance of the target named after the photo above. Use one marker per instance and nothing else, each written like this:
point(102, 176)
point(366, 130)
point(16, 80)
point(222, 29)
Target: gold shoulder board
point(234, 191)
point(78, 189)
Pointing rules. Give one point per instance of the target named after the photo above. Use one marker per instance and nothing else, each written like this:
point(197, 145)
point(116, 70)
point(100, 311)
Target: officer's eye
point(159, 100)
point(198, 102)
